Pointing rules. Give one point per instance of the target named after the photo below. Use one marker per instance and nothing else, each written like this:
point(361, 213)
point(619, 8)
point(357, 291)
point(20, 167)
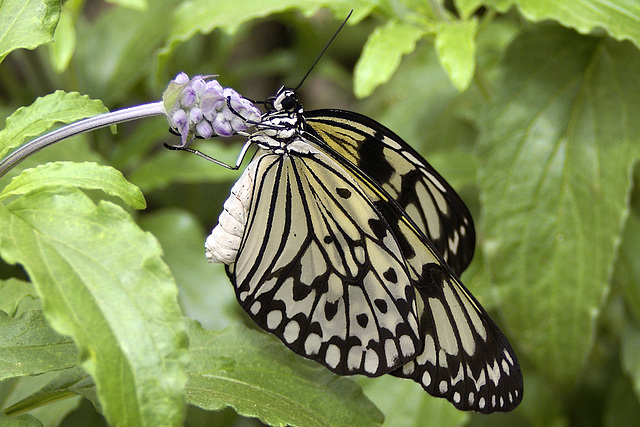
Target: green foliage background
point(529, 108)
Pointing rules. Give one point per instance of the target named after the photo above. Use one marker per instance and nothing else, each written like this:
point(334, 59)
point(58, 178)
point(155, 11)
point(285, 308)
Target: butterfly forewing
point(319, 267)
point(405, 175)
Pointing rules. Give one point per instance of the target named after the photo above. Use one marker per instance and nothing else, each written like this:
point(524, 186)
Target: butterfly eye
point(289, 102)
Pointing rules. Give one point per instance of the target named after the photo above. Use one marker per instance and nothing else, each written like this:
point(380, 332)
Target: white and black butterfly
point(345, 243)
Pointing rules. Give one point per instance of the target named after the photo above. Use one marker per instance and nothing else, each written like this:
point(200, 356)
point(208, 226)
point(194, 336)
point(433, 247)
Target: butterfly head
point(285, 100)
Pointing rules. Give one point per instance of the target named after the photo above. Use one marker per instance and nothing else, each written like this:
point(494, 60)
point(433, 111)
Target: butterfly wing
point(319, 267)
point(465, 357)
point(406, 177)
point(347, 244)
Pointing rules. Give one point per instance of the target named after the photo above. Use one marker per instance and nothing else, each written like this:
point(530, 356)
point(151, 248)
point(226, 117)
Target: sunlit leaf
point(456, 47)
point(28, 346)
point(258, 377)
point(620, 18)
point(405, 403)
point(205, 15)
point(557, 148)
point(90, 176)
point(102, 282)
point(382, 54)
point(27, 23)
point(12, 293)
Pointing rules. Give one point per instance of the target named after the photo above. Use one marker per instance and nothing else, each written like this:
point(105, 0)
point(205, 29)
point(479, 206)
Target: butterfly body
point(351, 253)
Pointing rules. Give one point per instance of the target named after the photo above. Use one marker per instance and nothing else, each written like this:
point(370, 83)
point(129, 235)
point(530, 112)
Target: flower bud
point(199, 107)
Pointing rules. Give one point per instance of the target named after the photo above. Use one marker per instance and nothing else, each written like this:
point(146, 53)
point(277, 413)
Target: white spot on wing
point(459, 377)
point(291, 331)
point(274, 318)
point(408, 368)
point(332, 357)
point(508, 356)
point(354, 358)
point(255, 307)
point(442, 359)
point(435, 182)
point(482, 381)
point(505, 366)
point(494, 372)
point(391, 352)
point(312, 344)
point(472, 311)
point(453, 242)
point(393, 144)
point(371, 361)
point(426, 379)
point(406, 346)
point(429, 352)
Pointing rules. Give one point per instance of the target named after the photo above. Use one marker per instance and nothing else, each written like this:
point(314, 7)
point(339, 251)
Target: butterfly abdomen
point(224, 241)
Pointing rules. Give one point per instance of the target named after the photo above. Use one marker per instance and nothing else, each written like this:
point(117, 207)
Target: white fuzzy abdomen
point(224, 241)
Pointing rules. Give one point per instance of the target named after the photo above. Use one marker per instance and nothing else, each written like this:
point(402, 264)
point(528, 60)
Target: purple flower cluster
point(200, 107)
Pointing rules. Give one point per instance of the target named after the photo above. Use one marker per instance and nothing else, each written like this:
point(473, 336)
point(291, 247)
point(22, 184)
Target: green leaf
point(24, 420)
point(87, 175)
point(205, 15)
point(382, 54)
point(36, 119)
point(27, 24)
point(456, 48)
point(259, 377)
point(205, 291)
point(102, 282)
point(77, 148)
point(630, 355)
point(405, 403)
point(619, 18)
point(64, 43)
point(556, 153)
point(68, 384)
point(12, 293)
point(26, 395)
point(467, 7)
point(28, 346)
point(621, 406)
point(627, 272)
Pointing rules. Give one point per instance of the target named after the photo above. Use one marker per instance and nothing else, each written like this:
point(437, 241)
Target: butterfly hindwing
point(465, 357)
point(319, 267)
point(406, 177)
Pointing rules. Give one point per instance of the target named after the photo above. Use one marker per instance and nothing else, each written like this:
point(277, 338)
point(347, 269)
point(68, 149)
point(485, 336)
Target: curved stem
point(86, 125)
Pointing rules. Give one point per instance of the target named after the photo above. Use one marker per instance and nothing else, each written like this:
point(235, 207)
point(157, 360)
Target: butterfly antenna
point(323, 51)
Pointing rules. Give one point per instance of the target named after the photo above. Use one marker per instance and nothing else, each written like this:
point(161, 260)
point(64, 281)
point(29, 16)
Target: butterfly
point(343, 241)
